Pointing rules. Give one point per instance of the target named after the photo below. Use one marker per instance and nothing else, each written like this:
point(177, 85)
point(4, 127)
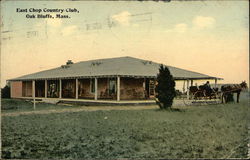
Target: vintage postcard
point(124, 79)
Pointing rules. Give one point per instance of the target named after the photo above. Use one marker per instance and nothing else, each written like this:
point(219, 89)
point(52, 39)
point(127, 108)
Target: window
point(53, 89)
point(92, 85)
point(112, 86)
point(151, 88)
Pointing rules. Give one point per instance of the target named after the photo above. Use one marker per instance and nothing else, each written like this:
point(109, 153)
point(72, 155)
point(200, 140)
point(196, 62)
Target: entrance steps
point(50, 101)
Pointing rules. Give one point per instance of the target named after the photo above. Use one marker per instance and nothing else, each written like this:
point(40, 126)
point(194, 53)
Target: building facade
point(123, 78)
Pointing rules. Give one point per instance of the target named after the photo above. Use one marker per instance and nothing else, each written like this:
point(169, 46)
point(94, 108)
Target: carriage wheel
point(215, 99)
point(198, 98)
point(218, 97)
point(192, 101)
point(213, 96)
point(186, 101)
point(199, 95)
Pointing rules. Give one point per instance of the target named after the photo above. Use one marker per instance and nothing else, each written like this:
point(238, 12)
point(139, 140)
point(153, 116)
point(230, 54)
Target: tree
point(5, 92)
point(165, 88)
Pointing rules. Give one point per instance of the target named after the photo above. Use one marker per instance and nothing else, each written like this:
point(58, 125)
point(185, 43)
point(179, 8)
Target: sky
point(209, 37)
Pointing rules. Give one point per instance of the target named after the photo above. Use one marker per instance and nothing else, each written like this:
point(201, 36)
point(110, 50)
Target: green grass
point(19, 105)
point(215, 131)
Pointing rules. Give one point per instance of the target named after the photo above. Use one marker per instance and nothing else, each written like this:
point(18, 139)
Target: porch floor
point(92, 101)
point(177, 102)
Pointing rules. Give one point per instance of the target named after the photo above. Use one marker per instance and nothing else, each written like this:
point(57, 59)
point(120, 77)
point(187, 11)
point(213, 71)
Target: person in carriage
point(207, 86)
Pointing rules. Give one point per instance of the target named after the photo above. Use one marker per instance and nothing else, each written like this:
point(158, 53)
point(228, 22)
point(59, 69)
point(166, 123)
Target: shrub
point(165, 88)
point(5, 92)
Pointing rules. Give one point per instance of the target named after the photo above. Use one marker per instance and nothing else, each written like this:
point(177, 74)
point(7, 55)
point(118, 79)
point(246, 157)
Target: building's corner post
point(215, 82)
point(46, 88)
point(188, 89)
point(34, 93)
point(76, 88)
point(96, 86)
point(192, 82)
point(60, 88)
point(118, 88)
point(10, 91)
point(155, 83)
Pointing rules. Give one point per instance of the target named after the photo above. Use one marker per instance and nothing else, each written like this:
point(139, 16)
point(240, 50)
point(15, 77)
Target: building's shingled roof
point(121, 66)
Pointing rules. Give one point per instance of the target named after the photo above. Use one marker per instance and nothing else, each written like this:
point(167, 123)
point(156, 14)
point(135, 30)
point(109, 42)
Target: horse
point(233, 88)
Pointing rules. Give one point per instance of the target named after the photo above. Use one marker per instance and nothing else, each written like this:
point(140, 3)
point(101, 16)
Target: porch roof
point(112, 67)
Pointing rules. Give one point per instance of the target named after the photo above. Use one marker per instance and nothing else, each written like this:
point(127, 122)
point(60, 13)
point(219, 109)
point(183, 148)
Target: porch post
point(191, 82)
point(144, 88)
point(96, 86)
point(188, 89)
point(60, 88)
point(118, 88)
point(46, 88)
point(215, 82)
point(183, 88)
point(144, 84)
point(34, 93)
point(76, 88)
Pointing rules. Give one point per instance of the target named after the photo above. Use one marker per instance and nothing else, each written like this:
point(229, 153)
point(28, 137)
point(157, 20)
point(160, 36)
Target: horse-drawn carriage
point(204, 94)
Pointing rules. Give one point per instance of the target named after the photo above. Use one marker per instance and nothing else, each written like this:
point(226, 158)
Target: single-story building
point(122, 78)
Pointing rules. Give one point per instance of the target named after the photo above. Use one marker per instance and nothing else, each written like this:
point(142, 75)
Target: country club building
point(114, 79)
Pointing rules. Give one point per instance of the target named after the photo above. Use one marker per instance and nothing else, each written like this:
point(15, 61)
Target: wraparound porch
point(110, 88)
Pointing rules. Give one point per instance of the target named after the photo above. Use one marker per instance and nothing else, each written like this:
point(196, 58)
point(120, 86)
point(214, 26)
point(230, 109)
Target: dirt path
point(80, 109)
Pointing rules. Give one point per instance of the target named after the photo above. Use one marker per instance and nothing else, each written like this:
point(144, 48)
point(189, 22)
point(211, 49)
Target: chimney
point(69, 62)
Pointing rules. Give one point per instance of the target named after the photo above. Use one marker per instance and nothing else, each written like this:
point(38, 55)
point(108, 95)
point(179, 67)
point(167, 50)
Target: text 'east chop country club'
point(46, 12)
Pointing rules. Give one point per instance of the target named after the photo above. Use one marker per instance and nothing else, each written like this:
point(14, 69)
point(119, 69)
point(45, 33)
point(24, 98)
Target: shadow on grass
point(170, 110)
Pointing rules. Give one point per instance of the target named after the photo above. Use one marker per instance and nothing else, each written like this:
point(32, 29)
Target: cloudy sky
point(206, 37)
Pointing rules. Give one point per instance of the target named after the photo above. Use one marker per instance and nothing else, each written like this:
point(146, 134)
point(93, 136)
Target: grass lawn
point(20, 105)
point(214, 131)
